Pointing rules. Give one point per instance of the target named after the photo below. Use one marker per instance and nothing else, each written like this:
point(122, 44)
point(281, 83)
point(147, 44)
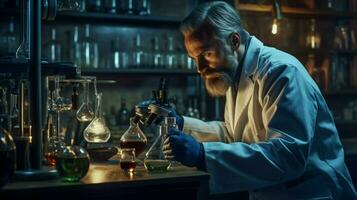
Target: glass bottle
point(10, 38)
point(70, 5)
point(170, 57)
point(72, 163)
point(133, 138)
point(123, 113)
point(97, 131)
point(7, 157)
point(54, 48)
point(126, 7)
point(313, 37)
point(157, 58)
point(89, 50)
point(85, 112)
point(111, 6)
point(139, 54)
point(114, 57)
point(76, 50)
point(142, 7)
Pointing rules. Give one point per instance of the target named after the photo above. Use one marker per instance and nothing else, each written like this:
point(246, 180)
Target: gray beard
point(218, 85)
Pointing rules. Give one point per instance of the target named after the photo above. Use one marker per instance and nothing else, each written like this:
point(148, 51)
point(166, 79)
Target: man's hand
point(184, 148)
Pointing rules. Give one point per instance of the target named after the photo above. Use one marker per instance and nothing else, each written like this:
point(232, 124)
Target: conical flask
point(154, 159)
point(85, 112)
point(97, 131)
point(133, 138)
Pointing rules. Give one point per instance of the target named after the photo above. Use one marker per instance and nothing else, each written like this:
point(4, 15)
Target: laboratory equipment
point(127, 159)
point(134, 138)
point(97, 131)
point(72, 163)
point(85, 112)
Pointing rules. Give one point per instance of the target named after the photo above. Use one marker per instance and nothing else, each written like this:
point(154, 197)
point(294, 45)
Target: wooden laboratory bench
point(108, 181)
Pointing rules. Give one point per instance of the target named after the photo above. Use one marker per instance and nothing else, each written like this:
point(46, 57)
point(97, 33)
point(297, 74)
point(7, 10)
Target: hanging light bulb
point(274, 27)
point(277, 16)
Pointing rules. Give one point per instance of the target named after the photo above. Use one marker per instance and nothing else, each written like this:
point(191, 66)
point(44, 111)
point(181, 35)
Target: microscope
point(155, 110)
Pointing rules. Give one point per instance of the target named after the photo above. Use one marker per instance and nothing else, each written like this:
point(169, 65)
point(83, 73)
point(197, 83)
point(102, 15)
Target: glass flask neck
point(98, 110)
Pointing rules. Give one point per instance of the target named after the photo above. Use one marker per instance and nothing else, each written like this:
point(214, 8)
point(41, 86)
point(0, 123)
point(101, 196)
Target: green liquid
point(157, 165)
point(72, 169)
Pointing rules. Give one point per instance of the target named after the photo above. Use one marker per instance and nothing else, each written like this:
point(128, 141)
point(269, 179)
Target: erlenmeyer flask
point(97, 131)
point(154, 159)
point(133, 138)
point(85, 112)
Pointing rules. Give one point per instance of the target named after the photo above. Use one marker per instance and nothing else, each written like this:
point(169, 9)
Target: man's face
point(216, 61)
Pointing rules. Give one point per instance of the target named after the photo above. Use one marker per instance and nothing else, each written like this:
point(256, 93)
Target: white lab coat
point(278, 139)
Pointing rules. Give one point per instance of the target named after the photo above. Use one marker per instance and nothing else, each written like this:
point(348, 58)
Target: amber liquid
point(128, 165)
point(138, 145)
point(51, 158)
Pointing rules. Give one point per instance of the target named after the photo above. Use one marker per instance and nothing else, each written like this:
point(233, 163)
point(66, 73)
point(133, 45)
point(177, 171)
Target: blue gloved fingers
point(173, 131)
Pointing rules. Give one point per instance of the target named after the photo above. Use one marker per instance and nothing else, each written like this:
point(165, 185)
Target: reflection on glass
point(97, 131)
point(76, 50)
point(54, 48)
point(139, 55)
point(157, 56)
point(89, 50)
point(126, 6)
point(142, 7)
point(85, 112)
point(170, 60)
point(10, 38)
point(127, 159)
point(23, 52)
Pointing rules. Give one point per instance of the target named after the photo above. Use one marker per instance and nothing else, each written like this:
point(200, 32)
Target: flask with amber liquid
point(134, 138)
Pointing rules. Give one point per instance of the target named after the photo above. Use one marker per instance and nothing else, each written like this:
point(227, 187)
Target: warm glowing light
point(274, 27)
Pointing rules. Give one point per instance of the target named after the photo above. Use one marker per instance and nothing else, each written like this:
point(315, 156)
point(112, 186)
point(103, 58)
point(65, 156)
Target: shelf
point(139, 72)
point(21, 69)
point(118, 18)
point(296, 12)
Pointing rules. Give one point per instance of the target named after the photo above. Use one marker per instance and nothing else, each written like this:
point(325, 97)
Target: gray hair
point(219, 15)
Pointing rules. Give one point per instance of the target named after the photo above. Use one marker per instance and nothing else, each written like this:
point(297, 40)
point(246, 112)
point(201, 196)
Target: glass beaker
point(127, 159)
point(97, 131)
point(85, 112)
point(155, 159)
point(72, 163)
point(133, 138)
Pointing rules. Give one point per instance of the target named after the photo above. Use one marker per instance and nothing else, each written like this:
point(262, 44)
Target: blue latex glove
point(179, 118)
point(173, 113)
point(184, 148)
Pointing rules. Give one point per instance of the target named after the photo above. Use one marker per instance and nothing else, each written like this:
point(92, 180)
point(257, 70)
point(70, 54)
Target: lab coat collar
point(238, 100)
point(251, 57)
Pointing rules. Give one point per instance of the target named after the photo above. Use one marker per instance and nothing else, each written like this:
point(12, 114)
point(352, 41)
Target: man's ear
point(235, 40)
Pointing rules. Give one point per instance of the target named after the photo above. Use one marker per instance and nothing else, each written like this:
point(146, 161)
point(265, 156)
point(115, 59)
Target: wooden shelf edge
point(295, 11)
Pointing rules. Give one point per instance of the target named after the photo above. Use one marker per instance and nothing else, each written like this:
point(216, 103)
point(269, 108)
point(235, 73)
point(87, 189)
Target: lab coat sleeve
point(205, 131)
point(289, 112)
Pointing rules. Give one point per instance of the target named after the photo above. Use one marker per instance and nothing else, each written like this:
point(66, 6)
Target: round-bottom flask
point(72, 163)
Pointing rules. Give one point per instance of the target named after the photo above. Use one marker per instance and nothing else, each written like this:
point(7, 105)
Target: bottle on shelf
point(142, 7)
point(94, 5)
point(76, 48)
point(114, 61)
point(111, 6)
point(313, 38)
point(126, 7)
point(170, 56)
point(9, 38)
point(54, 48)
point(157, 60)
point(139, 55)
point(90, 57)
point(123, 113)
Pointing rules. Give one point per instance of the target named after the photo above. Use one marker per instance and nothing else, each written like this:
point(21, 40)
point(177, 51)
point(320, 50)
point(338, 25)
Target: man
point(278, 139)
